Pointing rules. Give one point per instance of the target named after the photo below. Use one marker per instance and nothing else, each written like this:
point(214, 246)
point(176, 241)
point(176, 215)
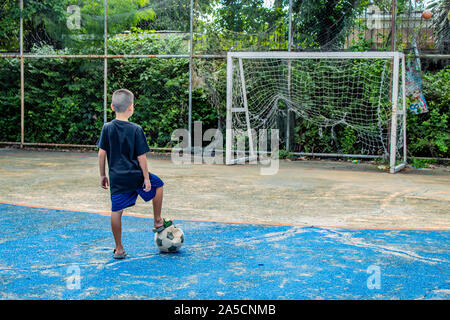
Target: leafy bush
point(10, 99)
point(421, 163)
point(428, 133)
point(64, 97)
point(63, 100)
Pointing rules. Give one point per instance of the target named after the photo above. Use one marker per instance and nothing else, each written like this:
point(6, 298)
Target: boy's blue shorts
point(124, 200)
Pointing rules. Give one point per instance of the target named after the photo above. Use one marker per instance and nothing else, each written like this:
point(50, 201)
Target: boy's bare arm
point(101, 161)
point(142, 159)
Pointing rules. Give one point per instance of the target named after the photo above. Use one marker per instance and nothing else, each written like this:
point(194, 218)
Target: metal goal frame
point(398, 69)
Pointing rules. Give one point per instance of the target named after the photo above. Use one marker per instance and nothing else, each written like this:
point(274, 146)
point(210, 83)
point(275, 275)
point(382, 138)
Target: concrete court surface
point(313, 231)
point(301, 193)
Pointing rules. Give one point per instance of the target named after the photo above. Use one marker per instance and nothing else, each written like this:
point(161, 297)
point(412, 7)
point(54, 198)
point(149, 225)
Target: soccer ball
point(170, 239)
point(427, 14)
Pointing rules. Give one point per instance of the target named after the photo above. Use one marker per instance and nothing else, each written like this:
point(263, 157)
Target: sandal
point(119, 256)
point(166, 223)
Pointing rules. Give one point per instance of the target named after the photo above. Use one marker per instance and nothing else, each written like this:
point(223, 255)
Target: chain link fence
point(61, 60)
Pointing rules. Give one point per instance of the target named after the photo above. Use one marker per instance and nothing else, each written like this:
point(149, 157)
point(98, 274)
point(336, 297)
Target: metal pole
point(229, 133)
point(288, 117)
point(290, 26)
point(191, 40)
point(393, 133)
point(123, 56)
point(404, 108)
point(105, 63)
point(393, 21)
point(184, 56)
point(22, 81)
point(247, 116)
point(393, 25)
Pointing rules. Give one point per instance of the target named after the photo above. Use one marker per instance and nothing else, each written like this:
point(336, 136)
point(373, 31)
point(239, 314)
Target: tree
point(249, 16)
point(42, 22)
point(386, 5)
point(46, 22)
point(441, 23)
point(319, 23)
point(9, 25)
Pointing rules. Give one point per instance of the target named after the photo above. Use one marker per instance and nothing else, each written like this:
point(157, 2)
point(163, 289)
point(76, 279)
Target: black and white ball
point(170, 239)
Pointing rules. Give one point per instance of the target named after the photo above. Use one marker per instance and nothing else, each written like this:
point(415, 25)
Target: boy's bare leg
point(157, 206)
point(116, 226)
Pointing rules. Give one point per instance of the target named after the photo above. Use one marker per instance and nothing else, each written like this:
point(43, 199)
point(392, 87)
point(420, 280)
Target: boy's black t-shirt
point(123, 142)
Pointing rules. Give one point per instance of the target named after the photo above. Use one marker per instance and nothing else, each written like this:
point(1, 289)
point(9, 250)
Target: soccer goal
point(354, 99)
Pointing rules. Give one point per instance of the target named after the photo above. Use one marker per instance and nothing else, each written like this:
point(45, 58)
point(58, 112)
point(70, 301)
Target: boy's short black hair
point(122, 99)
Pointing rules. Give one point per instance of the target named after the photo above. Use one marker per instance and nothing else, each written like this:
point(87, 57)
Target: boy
point(125, 146)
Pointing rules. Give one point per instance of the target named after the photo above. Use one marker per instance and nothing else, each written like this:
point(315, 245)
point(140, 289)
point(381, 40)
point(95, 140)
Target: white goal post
point(359, 93)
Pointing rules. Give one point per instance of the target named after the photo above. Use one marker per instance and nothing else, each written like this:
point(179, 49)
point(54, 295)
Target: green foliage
point(361, 43)
point(9, 25)
point(241, 25)
point(349, 140)
point(441, 23)
point(10, 99)
point(283, 154)
point(122, 14)
point(422, 163)
point(402, 5)
point(319, 23)
point(311, 138)
point(428, 133)
point(247, 16)
point(313, 133)
point(46, 22)
point(64, 97)
point(248, 25)
point(161, 93)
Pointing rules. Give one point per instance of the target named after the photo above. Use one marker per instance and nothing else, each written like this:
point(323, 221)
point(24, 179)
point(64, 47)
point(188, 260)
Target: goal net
point(322, 103)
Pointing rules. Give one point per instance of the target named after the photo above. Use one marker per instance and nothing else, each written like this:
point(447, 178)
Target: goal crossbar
point(315, 55)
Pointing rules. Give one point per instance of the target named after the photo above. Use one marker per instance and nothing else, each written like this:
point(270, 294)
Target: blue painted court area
point(42, 252)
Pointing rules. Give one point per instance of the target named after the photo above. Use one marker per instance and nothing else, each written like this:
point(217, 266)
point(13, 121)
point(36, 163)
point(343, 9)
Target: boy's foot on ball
point(160, 225)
